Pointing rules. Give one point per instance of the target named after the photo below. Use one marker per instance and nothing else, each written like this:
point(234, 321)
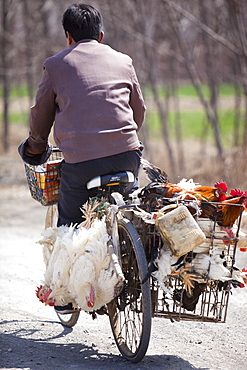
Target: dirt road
point(32, 338)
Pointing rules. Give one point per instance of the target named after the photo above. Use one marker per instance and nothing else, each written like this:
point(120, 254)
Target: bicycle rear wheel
point(68, 320)
point(130, 312)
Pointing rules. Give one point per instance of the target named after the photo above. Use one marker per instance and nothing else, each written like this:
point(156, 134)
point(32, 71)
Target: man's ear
point(70, 40)
point(101, 36)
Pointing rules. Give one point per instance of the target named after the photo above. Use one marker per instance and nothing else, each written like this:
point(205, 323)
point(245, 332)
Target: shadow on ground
point(27, 347)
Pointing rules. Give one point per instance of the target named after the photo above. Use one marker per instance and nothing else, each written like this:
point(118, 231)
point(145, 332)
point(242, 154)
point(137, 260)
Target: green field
point(189, 90)
point(17, 118)
point(193, 122)
point(17, 92)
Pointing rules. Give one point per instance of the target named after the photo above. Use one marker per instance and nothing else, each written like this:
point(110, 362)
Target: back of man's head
point(82, 22)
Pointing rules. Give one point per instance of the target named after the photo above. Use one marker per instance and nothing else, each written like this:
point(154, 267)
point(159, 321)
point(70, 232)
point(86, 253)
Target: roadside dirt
point(30, 334)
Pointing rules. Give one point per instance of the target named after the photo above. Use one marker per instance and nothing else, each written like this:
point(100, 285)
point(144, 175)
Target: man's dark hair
point(82, 22)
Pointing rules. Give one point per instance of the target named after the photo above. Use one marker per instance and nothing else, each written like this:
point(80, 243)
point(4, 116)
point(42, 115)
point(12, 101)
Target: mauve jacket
point(92, 93)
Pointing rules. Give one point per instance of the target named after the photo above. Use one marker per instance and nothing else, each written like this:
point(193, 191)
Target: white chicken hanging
point(79, 267)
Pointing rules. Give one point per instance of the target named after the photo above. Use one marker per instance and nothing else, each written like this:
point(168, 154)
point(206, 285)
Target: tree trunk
point(29, 48)
point(197, 83)
point(5, 76)
point(163, 117)
point(236, 14)
point(177, 118)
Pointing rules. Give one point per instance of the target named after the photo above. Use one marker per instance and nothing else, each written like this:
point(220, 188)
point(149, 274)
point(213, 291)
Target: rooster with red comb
point(216, 193)
point(231, 208)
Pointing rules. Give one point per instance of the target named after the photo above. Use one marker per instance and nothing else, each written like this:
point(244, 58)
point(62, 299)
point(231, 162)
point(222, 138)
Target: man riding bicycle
point(91, 94)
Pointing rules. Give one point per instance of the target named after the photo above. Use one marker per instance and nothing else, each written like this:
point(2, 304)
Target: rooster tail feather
point(154, 173)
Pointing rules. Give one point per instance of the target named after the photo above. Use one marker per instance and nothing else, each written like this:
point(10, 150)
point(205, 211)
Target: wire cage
point(44, 180)
point(208, 303)
point(204, 299)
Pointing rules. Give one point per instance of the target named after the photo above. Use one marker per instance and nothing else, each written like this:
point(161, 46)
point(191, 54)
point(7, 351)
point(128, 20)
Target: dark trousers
point(74, 177)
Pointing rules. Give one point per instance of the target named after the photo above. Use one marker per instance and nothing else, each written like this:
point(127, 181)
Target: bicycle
point(136, 244)
point(130, 312)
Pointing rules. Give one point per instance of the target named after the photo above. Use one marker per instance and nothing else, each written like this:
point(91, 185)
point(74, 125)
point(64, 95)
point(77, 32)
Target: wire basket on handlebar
point(44, 180)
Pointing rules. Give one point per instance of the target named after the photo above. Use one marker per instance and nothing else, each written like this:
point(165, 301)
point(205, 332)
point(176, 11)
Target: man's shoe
point(64, 310)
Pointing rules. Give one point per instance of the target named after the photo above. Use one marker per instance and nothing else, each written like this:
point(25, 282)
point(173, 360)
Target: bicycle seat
point(112, 179)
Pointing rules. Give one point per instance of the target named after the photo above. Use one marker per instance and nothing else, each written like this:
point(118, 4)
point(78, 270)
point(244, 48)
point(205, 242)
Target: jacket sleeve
point(42, 114)
point(136, 101)
point(37, 159)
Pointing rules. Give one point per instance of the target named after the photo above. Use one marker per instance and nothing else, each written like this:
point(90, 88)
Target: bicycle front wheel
point(68, 320)
point(51, 216)
point(130, 313)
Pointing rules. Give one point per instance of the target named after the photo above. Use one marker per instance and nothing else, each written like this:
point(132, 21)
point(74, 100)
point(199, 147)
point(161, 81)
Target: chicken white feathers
point(163, 263)
point(217, 271)
point(78, 263)
point(188, 185)
point(201, 264)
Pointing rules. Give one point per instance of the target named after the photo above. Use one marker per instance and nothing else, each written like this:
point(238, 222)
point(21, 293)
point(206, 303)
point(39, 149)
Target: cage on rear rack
point(196, 285)
point(208, 301)
point(44, 180)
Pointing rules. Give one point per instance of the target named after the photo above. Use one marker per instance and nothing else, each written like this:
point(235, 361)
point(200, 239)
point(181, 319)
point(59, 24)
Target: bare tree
point(237, 13)
point(169, 40)
point(5, 72)
point(193, 72)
